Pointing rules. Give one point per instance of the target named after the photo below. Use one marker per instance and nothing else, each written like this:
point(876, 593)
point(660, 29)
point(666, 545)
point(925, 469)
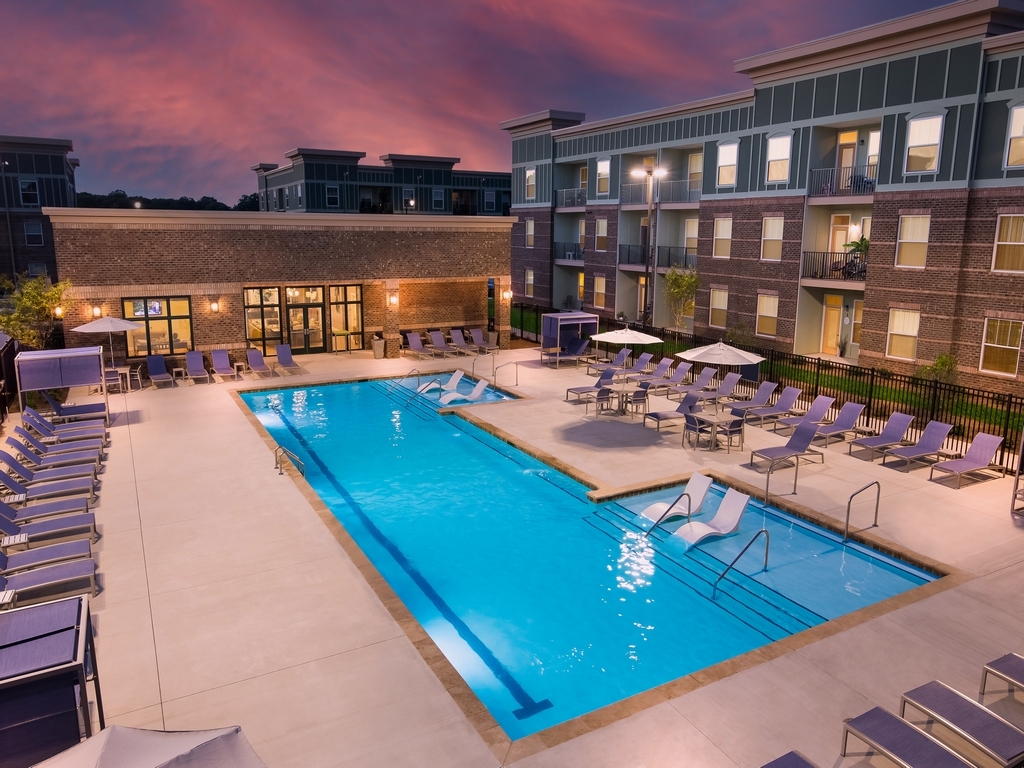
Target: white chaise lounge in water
point(688, 503)
point(476, 394)
point(725, 521)
point(448, 386)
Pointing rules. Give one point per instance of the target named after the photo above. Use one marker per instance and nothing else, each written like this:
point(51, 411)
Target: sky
point(181, 98)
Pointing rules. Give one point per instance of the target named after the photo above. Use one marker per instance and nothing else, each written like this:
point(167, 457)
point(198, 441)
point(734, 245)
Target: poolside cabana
point(559, 328)
point(59, 368)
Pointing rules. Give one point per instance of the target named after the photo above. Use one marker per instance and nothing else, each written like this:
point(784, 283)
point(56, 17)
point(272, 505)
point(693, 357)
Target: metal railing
point(633, 194)
point(494, 376)
point(632, 254)
point(568, 251)
point(668, 512)
point(478, 358)
point(279, 465)
point(677, 256)
point(767, 542)
point(684, 191)
point(831, 265)
point(409, 375)
point(571, 198)
point(835, 182)
point(849, 504)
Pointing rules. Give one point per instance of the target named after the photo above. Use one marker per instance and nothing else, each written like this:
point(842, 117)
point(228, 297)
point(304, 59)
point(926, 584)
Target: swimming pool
point(548, 605)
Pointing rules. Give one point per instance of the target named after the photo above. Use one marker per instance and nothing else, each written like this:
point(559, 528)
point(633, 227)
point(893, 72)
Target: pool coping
point(507, 750)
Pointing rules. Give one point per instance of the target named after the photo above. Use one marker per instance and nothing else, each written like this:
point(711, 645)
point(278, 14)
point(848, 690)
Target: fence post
point(817, 376)
point(1006, 428)
point(935, 399)
point(871, 394)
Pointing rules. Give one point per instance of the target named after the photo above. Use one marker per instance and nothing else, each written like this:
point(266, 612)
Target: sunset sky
point(170, 99)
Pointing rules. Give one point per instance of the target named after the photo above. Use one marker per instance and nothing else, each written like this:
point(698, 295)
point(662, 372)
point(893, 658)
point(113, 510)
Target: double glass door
point(306, 319)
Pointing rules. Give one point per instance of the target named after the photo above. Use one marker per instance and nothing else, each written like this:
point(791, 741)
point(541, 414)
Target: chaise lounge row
point(438, 346)
point(195, 367)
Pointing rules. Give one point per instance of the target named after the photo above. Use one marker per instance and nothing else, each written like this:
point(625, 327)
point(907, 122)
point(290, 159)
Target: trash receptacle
point(492, 337)
point(378, 347)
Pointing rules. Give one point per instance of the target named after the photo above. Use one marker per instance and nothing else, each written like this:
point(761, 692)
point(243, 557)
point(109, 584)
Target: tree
point(680, 291)
point(248, 203)
point(27, 311)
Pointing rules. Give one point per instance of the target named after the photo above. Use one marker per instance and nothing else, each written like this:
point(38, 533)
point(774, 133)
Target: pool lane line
point(528, 705)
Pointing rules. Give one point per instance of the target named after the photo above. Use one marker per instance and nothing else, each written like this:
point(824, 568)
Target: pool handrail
point(397, 382)
point(494, 372)
point(680, 497)
point(279, 465)
point(420, 390)
point(481, 356)
point(767, 542)
point(849, 504)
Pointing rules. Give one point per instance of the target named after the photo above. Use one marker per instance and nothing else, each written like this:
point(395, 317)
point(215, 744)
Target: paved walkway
point(227, 601)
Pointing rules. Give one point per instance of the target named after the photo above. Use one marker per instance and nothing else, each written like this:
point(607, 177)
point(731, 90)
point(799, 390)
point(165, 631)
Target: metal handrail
point(419, 390)
point(279, 465)
point(767, 543)
point(407, 376)
point(689, 506)
point(849, 504)
point(481, 357)
point(494, 372)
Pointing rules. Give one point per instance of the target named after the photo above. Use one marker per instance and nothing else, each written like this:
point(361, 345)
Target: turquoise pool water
point(551, 606)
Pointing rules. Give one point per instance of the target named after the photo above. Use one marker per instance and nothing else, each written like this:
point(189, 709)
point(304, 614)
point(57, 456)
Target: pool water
point(551, 606)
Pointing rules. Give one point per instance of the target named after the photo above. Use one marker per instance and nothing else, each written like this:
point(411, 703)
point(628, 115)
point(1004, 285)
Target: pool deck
point(227, 600)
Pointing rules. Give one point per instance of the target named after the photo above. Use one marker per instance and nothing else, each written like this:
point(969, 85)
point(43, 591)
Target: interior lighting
point(96, 311)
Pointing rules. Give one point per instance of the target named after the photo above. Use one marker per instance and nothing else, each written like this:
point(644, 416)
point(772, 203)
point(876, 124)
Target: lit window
point(604, 175)
point(582, 233)
point(727, 165)
point(33, 233)
point(723, 238)
point(1001, 346)
point(923, 145)
point(600, 286)
point(262, 317)
point(771, 239)
point(529, 233)
point(1015, 148)
point(874, 145)
point(579, 287)
point(1009, 254)
point(531, 183)
point(767, 314)
point(584, 171)
point(167, 325)
point(347, 315)
point(912, 248)
point(29, 192)
point(529, 282)
point(333, 198)
point(719, 308)
point(489, 200)
point(695, 172)
point(601, 239)
point(690, 233)
point(858, 321)
point(778, 158)
point(408, 198)
point(438, 199)
point(903, 325)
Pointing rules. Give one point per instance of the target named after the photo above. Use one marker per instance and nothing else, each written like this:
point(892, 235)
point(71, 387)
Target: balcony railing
point(571, 198)
point(676, 256)
point(834, 182)
point(464, 209)
point(825, 265)
point(569, 252)
point(632, 254)
point(633, 194)
point(685, 191)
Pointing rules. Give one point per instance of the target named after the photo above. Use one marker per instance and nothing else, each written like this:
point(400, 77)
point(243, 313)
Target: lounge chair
point(67, 459)
point(758, 400)
point(76, 412)
point(724, 390)
point(76, 505)
point(284, 359)
point(699, 385)
point(45, 556)
point(688, 503)
point(927, 446)
point(892, 433)
point(459, 342)
point(604, 380)
point(660, 371)
point(256, 363)
point(476, 394)
point(222, 364)
point(575, 352)
point(52, 529)
point(679, 374)
point(450, 385)
point(415, 345)
point(816, 413)
point(978, 458)
point(73, 486)
point(638, 366)
point(195, 367)
point(1008, 668)
point(797, 447)
point(439, 344)
point(899, 741)
point(157, 368)
point(679, 414)
point(616, 364)
point(71, 578)
point(76, 427)
point(846, 421)
point(54, 449)
point(725, 521)
point(481, 343)
point(790, 760)
point(32, 477)
point(782, 406)
point(972, 722)
point(88, 436)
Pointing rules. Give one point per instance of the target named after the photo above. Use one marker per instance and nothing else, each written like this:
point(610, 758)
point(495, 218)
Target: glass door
point(262, 318)
point(306, 320)
point(347, 317)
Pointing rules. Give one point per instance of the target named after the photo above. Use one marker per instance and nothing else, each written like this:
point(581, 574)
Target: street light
point(650, 171)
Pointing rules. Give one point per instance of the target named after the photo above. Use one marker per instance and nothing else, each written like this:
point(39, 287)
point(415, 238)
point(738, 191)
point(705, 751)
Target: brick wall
point(537, 258)
point(601, 262)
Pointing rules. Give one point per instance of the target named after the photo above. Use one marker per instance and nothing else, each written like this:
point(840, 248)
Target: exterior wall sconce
point(214, 306)
point(506, 295)
point(96, 311)
point(58, 312)
point(393, 298)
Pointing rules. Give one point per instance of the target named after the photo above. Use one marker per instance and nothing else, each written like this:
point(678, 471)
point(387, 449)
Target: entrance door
point(831, 324)
point(306, 329)
point(839, 233)
point(641, 297)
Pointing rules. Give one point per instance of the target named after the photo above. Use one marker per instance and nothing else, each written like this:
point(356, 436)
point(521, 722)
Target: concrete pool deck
point(227, 600)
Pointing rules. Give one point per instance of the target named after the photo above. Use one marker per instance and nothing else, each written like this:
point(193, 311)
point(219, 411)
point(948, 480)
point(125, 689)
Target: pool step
point(403, 397)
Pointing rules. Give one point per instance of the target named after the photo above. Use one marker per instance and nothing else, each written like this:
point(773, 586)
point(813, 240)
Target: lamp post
point(7, 210)
point(650, 261)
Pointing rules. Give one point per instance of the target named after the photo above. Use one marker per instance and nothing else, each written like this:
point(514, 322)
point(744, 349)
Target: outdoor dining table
point(715, 419)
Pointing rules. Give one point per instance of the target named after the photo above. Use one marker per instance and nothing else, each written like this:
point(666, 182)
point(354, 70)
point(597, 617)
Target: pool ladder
point(767, 542)
point(279, 453)
point(849, 504)
point(494, 372)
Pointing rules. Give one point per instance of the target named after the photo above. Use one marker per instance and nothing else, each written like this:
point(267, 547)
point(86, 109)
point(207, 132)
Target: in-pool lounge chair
point(892, 433)
point(482, 344)
point(1008, 668)
point(87, 436)
point(256, 363)
point(723, 391)
point(900, 741)
point(157, 368)
point(71, 487)
point(816, 413)
point(846, 421)
point(52, 529)
point(67, 459)
point(679, 374)
point(725, 521)
point(588, 391)
point(76, 412)
point(658, 373)
point(616, 364)
point(797, 447)
point(758, 400)
point(979, 457)
point(414, 344)
point(638, 366)
point(927, 446)
point(284, 359)
point(41, 557)
point(54, 449)
point(699, 384)
point(32, 477)
point(459, 342)
point(688, 503)
point(74, 505)
point(476, 394)
point(76, 577)
point(195, 367)
point(790, 760)
point(673, 417)
point(448, 386)
point(222, 364)
point(441, 346)
point(782, 406)
point(985, 730)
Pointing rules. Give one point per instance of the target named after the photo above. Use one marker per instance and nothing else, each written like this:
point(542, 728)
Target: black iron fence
point(568, 251)
point(851, 180)
point(829, 265)
point(969, 410)
point(677, 256)
point(633, 254)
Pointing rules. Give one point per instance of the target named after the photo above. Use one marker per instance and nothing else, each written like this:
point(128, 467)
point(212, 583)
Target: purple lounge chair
point(66, 459)
point(575, 352)
point(222, 364)
point(790, 760)
point(70, 487)
point(32, 477)
point(44, 556)
point(603, 381)
point(658, 373)
point(1008, 668)
point(927, 446)
point(76, 412)
point(844, 424)
point(481, 343)
point(781, 407)
point(638, 366)
point(75, 505)
point(797, 447)
point(85, 436)
point(51, 448)
point(459, 342)
point(257, 364)
point(439, 344)
point(616, 364)
point(195, 367)
point(900, 741)
point(284, 359)
point(978, 458)
point(724, 390)
point(414, 344)
point(816, 413)
point(679, 374)
point(60, 429)
point(679, 414)
point(70, 578)
point(157, 369)
point(703, 379)
point(52, 529)
point(758, 400)
point(892, 433)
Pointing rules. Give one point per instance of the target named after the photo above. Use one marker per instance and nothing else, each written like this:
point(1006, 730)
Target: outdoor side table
point(239, 370)
point(178, 374)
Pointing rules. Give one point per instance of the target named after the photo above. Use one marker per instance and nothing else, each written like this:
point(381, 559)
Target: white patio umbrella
point(720, 354)
point(109, 326)
point(625, 336)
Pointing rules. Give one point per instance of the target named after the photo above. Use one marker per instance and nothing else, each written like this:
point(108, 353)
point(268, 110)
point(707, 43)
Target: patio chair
point(782, 406)
point(724, 390)
point(52, 449)
point(157, 369)
point(790, 760)
point(797, 447)
point(694, 429)
point(439, 344)
point(34, 477)
point(481, 343)
point(658, 373)
point(603, 381)
point(56, 460)
point(892, 433)
point(638, 366)
point(195, 367)
point(41, 557)
point(899, 741)
point(75, 505)
point(111, 380)
point(844, 424)
point(448, 386)
point(222, 364)
point(979, 457)
point(604, 400)
point(635, 401)
point(617, 363)
point(73, 428)
point(575, 352)
point(54, 529)
point(73, 486)
point(86, 437)
point(688, 503)
point(816, 413)
point(927, 446)
point(725, 521)
point(76, 412)
point(415, 345)
point(699, 385)
point(72, 578)
point(679, 374)
point(254, 359)
point(984, 729)
point(1008, 668)
point(476, 394)
point(758, 400)
point(459, 342)
point(284, 359)
point(729, 430)
point(670, 417)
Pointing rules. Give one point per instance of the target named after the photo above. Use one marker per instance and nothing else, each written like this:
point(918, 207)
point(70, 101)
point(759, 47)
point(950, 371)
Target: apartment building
point(333, 181)
point(864, 199)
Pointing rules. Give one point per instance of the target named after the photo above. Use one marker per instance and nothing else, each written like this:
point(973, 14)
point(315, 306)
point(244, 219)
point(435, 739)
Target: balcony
point(633, 194)
point(569, 252)
point(464, 209)
point(571, 198)
point(676, 256)
point(685, 191)
point(825, 265)
point(633, 254)
point(840, 182)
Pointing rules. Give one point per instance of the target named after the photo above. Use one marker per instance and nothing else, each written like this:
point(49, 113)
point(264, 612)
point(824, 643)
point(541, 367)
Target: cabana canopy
point(59, 368)
point(559, 328)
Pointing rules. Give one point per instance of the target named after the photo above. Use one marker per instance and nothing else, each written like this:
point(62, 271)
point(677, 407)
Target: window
point(690, 233)
point(874, 144)
point(531, 183)
point(347, 316)
point(778, 158)
point(767, 314)
point(912, 248)
point(262, 307)
point(865, 227)
point(903, 325)
point(29, 192)
point(858, 321)
point(333, 198)
point(584, 172)
point(695, 169)
point(723, 238)
point(719, 308)
point(771, 238)
point(408, 198)
point(36, 269)
point(600, 285)
point(641, 297)
point(33, 233)
point(298, 196)
point(727, 165)
point(604, 175)
point(528, 281)
point(529, 233)
point(438, 197)
point(1000, 346)
point(1009, 253)
point(601, 235)
point(923, 144)
point(168, 326)
point(582, 237)
point(1015, 143)
point(489, 200)
point(579, 286)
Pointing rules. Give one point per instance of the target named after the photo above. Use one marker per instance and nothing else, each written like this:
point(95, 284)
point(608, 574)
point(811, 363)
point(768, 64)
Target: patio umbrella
point(625, 336)
point(109, 326)
point(720, 354)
